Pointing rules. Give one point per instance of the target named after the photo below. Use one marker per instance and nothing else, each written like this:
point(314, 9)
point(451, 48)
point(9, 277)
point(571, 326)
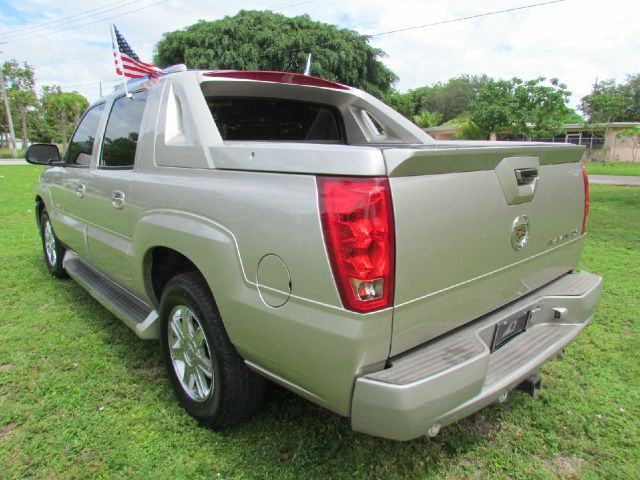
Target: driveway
point(13, 161)
point(614, 180)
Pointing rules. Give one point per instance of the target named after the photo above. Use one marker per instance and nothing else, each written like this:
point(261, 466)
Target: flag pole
point(116, 50)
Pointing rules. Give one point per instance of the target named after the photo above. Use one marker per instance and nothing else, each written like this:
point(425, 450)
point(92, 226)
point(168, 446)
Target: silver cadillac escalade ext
point(268, 225)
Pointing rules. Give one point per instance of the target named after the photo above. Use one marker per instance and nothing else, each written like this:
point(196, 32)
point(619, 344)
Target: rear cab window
point(276, 119)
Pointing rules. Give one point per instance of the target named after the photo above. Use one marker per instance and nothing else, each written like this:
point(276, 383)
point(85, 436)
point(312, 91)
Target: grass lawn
point(613, 168)
point(82, 397)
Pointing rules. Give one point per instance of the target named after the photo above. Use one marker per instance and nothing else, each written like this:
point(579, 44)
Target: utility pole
point(7, 110)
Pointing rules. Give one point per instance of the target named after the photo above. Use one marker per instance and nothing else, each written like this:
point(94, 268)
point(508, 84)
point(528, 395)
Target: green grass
point(82, 397)
point(613, 168)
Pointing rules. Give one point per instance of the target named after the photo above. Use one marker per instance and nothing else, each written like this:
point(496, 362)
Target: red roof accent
point(278, 77)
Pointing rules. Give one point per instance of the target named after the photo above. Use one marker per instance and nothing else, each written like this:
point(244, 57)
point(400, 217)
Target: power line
point(59, 62)
point(99, 51)
point(470, 17)
point(55, 23)
point(276, 7)
point(443, 22)
point(88, 23)
point(67, 87)
point(94, 12)
point(289, 5)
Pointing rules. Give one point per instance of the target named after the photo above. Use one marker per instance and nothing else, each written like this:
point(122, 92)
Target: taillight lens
point(357, 220)
point(585, 180)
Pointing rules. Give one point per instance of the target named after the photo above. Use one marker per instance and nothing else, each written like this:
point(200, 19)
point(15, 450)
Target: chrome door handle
point(117, 199)
point(80, 190)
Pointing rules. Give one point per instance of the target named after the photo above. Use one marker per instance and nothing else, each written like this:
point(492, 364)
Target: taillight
point(585, 180)
point(357, 220)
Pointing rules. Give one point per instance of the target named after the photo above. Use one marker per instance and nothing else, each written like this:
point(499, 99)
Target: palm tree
point(467, 128)
point(427, 119)
point(66, 104)
point(77, 105)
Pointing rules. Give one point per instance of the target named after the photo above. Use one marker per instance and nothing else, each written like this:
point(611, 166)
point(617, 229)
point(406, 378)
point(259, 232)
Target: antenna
point(307, 68)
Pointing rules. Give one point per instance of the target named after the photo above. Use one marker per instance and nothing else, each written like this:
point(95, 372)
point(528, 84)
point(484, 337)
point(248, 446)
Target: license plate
point(508, 328)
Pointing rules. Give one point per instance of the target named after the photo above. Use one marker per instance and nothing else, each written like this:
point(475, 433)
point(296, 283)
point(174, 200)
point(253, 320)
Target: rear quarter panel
point(226, 222)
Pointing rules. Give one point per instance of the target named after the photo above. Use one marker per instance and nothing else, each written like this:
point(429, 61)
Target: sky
point(578, 41)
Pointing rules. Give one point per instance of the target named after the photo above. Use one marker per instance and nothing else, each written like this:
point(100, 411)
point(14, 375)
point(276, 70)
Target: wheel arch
point(40, 206)
point(166, 243)
point(161, 264)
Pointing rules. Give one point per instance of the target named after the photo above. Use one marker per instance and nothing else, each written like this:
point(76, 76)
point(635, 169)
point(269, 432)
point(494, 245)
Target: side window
point(123, 127)
point(375, 126)
point(81, 145)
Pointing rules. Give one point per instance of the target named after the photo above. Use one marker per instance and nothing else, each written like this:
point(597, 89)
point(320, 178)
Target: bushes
point(8, 153)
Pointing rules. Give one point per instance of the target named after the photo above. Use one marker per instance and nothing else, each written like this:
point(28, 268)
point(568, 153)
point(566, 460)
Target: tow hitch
point(531, 386)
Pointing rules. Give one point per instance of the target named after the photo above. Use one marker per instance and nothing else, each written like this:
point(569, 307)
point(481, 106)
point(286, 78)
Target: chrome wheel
point(50, 243)
point(190, 353)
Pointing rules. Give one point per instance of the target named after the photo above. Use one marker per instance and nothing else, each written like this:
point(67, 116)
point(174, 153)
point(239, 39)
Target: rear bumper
point(456, 375)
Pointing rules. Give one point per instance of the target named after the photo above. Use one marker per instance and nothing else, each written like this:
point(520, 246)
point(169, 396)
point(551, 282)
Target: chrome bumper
point(456, 375)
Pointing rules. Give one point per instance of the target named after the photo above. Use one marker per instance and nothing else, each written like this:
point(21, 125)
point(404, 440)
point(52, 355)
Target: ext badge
point(520, 232)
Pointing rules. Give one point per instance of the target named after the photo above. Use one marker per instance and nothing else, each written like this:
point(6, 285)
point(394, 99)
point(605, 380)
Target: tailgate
point(477, 227)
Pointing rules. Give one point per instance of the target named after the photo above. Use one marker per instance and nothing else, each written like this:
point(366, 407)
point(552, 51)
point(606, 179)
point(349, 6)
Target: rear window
point(276, 119)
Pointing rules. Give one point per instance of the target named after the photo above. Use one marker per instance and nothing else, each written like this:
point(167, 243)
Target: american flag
point(126, 60)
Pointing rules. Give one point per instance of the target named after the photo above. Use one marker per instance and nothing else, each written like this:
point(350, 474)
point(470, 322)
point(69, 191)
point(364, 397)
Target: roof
point(255, 75)
point(276, 77)
point(580, 126)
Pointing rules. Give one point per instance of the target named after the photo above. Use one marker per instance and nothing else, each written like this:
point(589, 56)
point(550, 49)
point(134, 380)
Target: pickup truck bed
point(333, 247)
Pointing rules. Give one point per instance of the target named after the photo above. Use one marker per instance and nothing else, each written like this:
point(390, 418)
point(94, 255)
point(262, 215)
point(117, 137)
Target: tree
point(401, 102)
point(63, 109)
point(545, 104)
point(495, 109)
point(606, 103)
point(7, 111)
point(467, 129)
point(572, 116)
point(263, 40)
point(451, 99)
point(610, 102)
point(427, 119)
point(633, 96)
point(20, 88)
point(532, 108)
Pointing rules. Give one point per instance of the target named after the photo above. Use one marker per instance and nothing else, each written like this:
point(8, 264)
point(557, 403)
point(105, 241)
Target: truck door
point(109, 189)
point(69, 190)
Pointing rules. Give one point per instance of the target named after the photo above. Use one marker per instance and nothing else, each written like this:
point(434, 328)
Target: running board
point(136, 314)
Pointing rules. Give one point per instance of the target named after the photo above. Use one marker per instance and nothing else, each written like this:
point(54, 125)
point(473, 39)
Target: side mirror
point(43, 154)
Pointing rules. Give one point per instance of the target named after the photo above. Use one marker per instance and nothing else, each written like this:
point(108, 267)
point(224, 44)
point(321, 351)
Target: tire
point(209, 377)
point(52, 247)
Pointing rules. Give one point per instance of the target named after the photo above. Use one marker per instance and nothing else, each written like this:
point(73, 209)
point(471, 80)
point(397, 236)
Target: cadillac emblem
point(520, 232)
